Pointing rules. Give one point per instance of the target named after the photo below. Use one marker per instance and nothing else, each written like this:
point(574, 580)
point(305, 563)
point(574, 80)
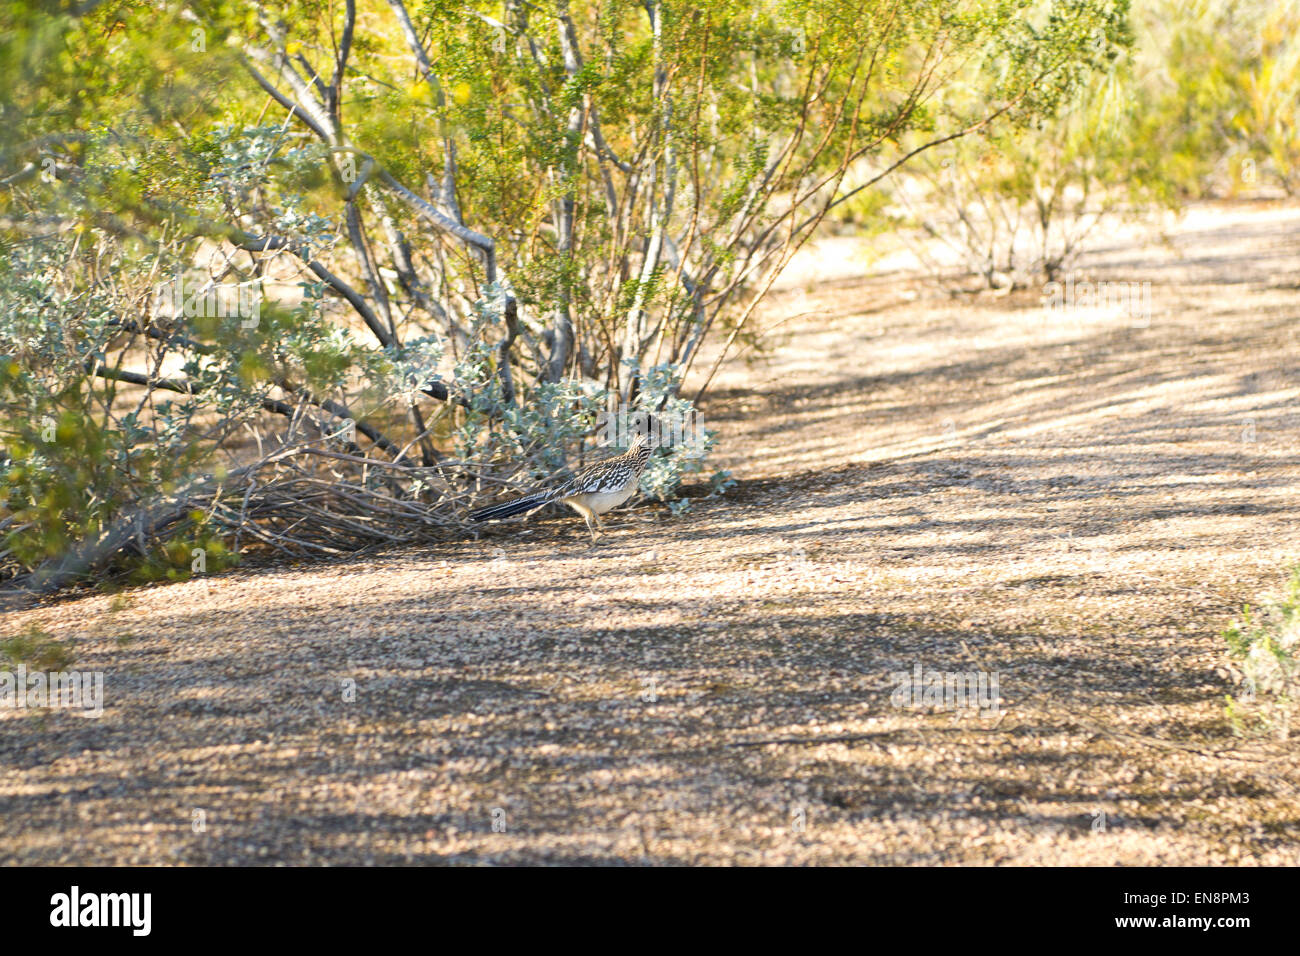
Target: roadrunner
point(595, 490)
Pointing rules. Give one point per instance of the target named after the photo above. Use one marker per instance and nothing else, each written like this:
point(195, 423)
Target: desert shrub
point(454, 240)
point(1221, 94)
point(1016, 207)
point(1205, 102)
point(1264, 650)
point(1017, 204)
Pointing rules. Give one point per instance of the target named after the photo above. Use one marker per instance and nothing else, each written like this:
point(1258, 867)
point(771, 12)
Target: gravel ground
point(980, 486)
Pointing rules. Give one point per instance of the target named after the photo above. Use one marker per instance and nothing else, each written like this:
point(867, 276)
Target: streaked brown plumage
point(591, 493)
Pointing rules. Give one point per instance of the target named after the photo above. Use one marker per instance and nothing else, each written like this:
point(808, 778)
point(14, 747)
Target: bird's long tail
point(508, 508)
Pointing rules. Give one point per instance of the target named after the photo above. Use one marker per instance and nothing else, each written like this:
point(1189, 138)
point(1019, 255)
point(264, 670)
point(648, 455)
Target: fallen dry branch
point(299, 501)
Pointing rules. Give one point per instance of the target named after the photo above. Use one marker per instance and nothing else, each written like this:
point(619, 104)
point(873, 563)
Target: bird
point(591, 493)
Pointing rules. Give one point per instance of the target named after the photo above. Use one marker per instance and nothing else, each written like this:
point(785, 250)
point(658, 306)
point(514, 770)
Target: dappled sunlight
point(1081, 532)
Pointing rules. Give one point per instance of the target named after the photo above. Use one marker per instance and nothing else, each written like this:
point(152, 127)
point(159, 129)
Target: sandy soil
point(1073, 499)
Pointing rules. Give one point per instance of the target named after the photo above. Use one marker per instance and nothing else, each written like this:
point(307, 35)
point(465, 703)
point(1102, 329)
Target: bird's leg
point(588, 516)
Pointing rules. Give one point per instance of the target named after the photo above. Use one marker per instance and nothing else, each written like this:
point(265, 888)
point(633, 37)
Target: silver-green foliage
point(1264, 646)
